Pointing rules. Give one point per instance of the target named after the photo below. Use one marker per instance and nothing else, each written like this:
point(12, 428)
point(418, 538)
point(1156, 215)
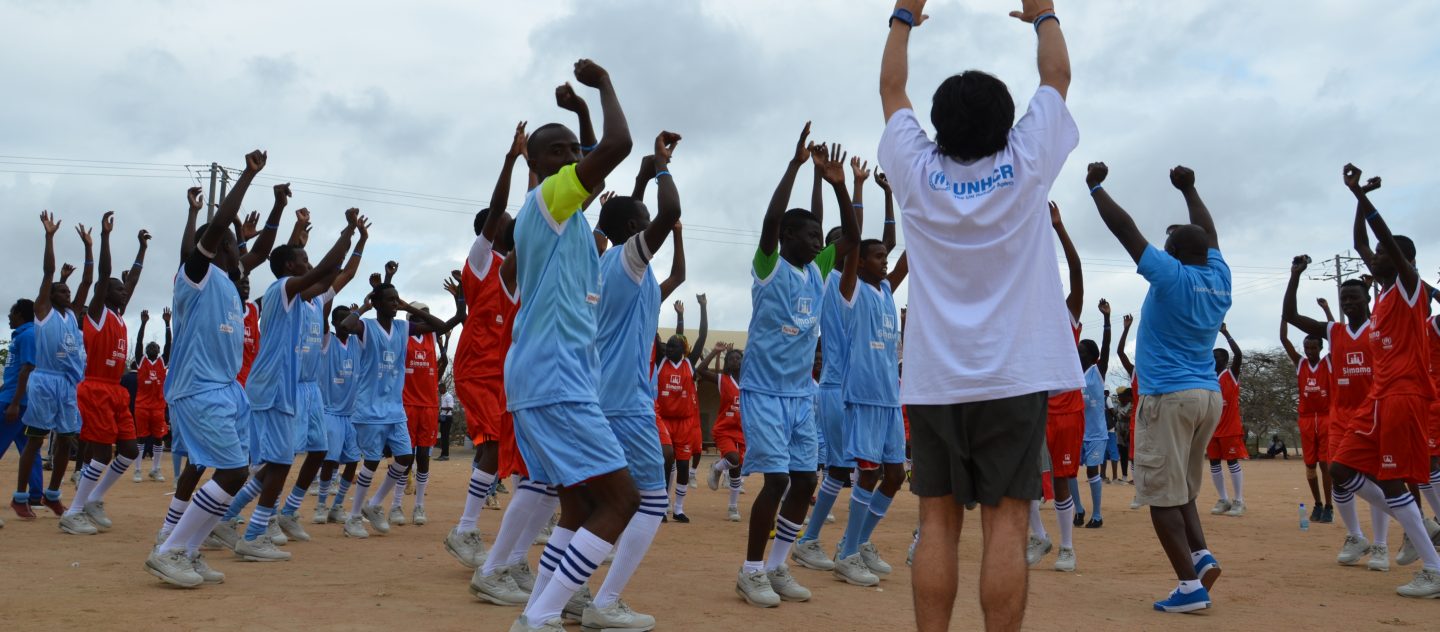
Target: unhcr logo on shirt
point(1003, 176)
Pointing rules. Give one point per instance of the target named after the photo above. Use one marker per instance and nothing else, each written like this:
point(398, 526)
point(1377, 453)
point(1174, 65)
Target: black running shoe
point(1095, 523)
point(682, 518)
point(1079, 518)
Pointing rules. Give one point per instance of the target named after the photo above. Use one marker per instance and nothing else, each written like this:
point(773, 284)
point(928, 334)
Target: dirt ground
point(1275, 575)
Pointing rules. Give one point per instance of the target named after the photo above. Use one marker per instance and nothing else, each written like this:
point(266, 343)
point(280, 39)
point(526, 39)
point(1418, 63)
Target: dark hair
point(480, 218)
point(1407, 247)
point(25, 309)
point(281, 257)
point(796, 216)
point(1355, 283)
point(866, 244)
point(1090, 347)
point(532, 143)
point(1317, 338)
point(972, 113)
point(834, 235)
point(616, 212)
point(507, 236)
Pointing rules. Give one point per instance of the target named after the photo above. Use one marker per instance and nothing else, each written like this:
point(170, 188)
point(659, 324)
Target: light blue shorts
point(52, 404)
point(212, 429)
point(1112, 448)
point(568, 443)
point(1092, 453)
point(833, 429)
point(373, 439)
point(780, 434)
point(309, 429)
point(874, 433)
point(272, 437)
point(641, 445)
point(341, 446)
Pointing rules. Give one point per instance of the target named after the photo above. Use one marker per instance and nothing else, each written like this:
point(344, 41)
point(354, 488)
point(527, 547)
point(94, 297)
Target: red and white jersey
point(727, 418)
point(252, 341)
point(1433, 334)
point(107, 347)
point(1350, 370)
point(675, 390)
point(150, 383)
point(1314, 384)
point(422, 375)
point(1069, 402)
point(1230, 414)
point(490, 313)
point(1397, 338)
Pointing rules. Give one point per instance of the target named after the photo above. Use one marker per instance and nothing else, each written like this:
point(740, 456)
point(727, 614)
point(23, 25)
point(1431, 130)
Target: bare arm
point(47, 269)
point(1184, 180)
point(1285, 342)
point(198, 263)
point(888, 233)
point(140, 336)
point(667, 208)
point(1325, 307)
point(699, 347)
point(1120, 350)
point(165, 315)
point(817, 197)
point(352, 267)
point(87, 271)
point(677, 266)
point(1116, 219)
point(1104, 361)
point(429, 323)
point(780, 199)
point(96, 309)
point(1361, 234)
point(300, 233)
point(1052, 57)
point(895, 61)
point(495, 220)
point(133, 278)
point(899, 272)
point(1074, 301)
point(318, 279)
point(1289, 312)
point(22, 383)
point(703, 372)
point(266, 239)
point(566, 98)
point(615, 145)
point(1237, 357)
point(1405, 273)
point(187, 238)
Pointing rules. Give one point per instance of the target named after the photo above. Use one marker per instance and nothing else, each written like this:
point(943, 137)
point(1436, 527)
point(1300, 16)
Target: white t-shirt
point(987, 317)
point(447, 403)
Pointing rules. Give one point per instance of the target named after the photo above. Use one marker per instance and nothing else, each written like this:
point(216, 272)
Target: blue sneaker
point(1183, 602)
point(1208, 570)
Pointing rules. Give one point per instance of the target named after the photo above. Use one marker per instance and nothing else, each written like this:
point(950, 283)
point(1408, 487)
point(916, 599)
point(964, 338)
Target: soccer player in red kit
point(150, 422)
point(1313, 373)
point(728, 434)
point(1228, 442)
point(421, 397)
point(1384, 452)
point(677, 403)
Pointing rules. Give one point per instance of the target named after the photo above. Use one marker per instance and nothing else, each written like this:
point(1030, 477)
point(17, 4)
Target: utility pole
point(210, 208)
point(1344, 266)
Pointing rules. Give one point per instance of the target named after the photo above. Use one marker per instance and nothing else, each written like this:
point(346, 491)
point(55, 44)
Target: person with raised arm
point(1313, 372)
point(977, 192)
point(150, 370)
point(1228, 441)
point(1180, 402)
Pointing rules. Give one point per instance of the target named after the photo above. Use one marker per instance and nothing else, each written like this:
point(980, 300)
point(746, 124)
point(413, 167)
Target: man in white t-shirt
point(447, 417)
point(982, 267)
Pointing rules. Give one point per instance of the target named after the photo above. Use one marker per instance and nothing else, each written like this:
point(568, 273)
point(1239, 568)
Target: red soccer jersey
point(1230, 414)
point(1433, 334)
point(485, 338)
point(727, 418)
point(422, 377)
point(675, 398)
point(1350, 372)
point(1314, 384)
point(1069, 402)
point(150, 383)
point(107, 347)
point(252, 341)
point(1397, 338)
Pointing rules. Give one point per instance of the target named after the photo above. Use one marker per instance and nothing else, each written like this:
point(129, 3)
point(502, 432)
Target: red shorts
point(484, 404)
point(1314, 439)
point(424, 425)
point(727, 442)
point(150, 422)
point(697, 437)
point(1227, 449)
point(1064, 434)
point(680, 437)
point(1387, 440)
point(509, 458)
point(104, 412)
point(664, 431)
point(1432, 430)
point(1341, 423)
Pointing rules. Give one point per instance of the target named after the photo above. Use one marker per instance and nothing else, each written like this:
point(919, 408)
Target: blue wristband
point(138, 265)
point(588, 148)
point(1372, 215)
point(89, 262)
point(1041, 19)
point(904, 15)
point(1096, 188)
point(661, 173)
point(357, 254)
point(889, 221)
point(858, 205)
point(272, 226)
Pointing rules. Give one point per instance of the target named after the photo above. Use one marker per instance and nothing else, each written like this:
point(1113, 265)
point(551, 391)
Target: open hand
point(85, 233)
point(1055, 214)
point(165, 316)
point(802, 150)
point(860, 169)
point(517, 144)
point(144, 316)
point(1031, 9)
point(834, 169)
point(452, 287)
point(679, 307)
point(362, 223)
point(65, 271)
point(251, 227)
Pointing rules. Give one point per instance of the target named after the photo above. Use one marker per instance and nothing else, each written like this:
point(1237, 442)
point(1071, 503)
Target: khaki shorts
point(1171, 434)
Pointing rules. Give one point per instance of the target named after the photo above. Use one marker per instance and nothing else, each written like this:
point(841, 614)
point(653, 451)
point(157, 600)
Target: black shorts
point(979, 451)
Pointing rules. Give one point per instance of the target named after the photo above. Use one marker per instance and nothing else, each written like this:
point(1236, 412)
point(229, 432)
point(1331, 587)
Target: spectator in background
point(447, 417)
point(1277, 447)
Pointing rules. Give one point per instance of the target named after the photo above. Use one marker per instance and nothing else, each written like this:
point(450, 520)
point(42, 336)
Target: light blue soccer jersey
point(276, 369)
point(339, 389)
point(553, 357)
point(873, 369)
point(209, 340)
point(312, 337)
point(380, 379)
point(784, 323)
point(1094, 393)
point(59, 346)
point(629, 314)
point(834, 334)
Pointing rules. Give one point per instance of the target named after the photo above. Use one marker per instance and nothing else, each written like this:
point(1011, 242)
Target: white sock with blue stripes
point(480, 483)
point(1407, 512)
point(582, 557)
point(634, 544)
point(550, 557)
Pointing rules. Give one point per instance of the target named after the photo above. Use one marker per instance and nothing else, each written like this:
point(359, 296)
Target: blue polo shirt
point(1179, 321)
point(22, 352)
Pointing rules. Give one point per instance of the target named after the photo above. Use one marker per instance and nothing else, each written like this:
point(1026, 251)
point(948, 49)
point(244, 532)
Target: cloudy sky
point(406, 112)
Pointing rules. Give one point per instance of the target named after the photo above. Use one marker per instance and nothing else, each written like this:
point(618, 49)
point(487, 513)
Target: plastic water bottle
point(1304, 518)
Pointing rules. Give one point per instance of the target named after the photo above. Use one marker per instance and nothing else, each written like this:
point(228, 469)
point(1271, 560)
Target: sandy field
point(1275, 575)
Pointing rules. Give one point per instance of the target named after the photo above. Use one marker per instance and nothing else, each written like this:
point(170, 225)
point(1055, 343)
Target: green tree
point(1268, 397)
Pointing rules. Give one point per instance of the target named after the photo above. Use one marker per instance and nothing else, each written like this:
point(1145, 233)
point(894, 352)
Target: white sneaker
point(1237, 509)
point(784, 584)
point(156, 476)
point(210, 575)
point(355, 528)
point(211, 542)
point(852, 570)
point(523, 576)
point(376, 516)
point(755, 589)
point(418, 518)
point(466, 546)
point(1221, 506)
point(1065, 562)
point(77, 524)
point(617, 617)
point(1135, 503)
point(694, 482)
point(173, 567)
point(277, 537)
point(396, 517)
point(1408, 554)
point(733, 513)
point(1352, 550)
point(290, 526)
point(810, 555)
point(1036, 550)
point(575, 608)
point(523, 625)
point(137, 477)
point(336, 515)
point(714, 479)
point(498, 588)
point(314, 488)
point(1379, 558)
point(492, 502)
point(228, 532)
point(543, 538)
point(322, 515)
point(95, 511)
point(1426, 585)
point(871, 557)
point(261, 549)
point(830, 518)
